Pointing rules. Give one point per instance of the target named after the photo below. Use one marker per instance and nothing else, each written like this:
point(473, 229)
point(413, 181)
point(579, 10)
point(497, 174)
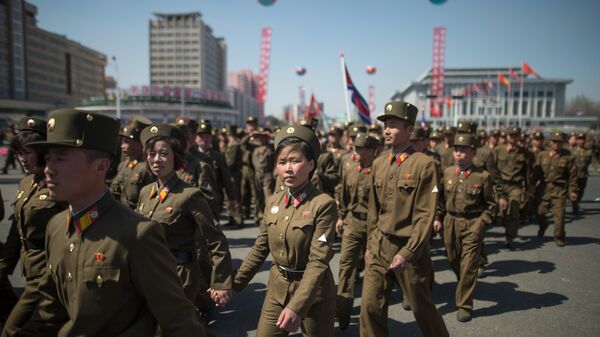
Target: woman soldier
point(298, 227)
point(33, 208)
point(183, 212)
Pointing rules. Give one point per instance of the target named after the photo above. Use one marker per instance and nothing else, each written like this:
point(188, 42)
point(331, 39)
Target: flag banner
point(526, 69)
point(514, 75)
point(503, 80)
point(359, 102)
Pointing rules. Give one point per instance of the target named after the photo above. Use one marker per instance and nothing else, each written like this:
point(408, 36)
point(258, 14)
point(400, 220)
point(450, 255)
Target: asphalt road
point(537, 289)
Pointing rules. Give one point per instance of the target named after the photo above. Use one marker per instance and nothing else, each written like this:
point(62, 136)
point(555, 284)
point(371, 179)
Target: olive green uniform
point(223, 180)
point(556, 174)
point(445, 152)
point(199, 173)
point(299, 234)
point(248, 185)
point(233, 157)
point(132, 175)
point(468, 200)
point(263, 161)
point(410, 179)
point(326, 176)
point(510, 168)
point(583, 159)
point(353, 207)
point(33, 208)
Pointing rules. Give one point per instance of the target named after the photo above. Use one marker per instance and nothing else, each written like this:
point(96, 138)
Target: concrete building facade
point(494, 105)
point(41, 70)
point(185, 53)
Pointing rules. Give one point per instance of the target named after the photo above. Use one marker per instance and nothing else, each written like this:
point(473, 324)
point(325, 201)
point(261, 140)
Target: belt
point(360, 216)
point(29, 244)
point(184, 257)
point(512, 183)
point(290, 274)
point(466, 215)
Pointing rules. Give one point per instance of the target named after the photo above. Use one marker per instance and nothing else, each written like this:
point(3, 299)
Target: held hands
point(573, 197)
point(220, 297)
point(339, 227)
point(503, 203)
point(437, 225)
point(288, 320)
point(398, 263)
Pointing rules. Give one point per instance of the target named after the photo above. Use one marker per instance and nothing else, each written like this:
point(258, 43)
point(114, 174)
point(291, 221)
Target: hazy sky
point(558, 38)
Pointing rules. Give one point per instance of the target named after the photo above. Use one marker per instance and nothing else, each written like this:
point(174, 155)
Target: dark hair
point(176, 146)
point(298, 144)
point(25, 137)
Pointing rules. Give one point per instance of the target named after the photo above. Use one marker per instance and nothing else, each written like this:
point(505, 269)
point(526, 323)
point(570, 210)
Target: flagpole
point(521, 96)
point(498, 101)
point(343, 65)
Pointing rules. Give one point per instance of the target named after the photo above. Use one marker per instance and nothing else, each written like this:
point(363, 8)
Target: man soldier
point(132, 174)
point(248, 186)
point(233, 157)
point(484, 153)
point(434, 139)
point(109, 271)
point(197, 170)
point(204, 141)
point(556, 175)
point(263, 162)
point(537, 143)
point(334, 145)
point(445, 148)
point(468, 206)
point(510, 166)
point(583, 158)
point(374, 130)
point(352, 222)
point(402, 207)
point(419, 142)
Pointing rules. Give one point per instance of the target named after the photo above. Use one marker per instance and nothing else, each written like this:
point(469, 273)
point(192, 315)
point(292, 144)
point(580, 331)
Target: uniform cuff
point(407, 254)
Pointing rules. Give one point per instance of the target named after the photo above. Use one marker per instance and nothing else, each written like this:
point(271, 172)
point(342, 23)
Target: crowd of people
point(117, 227)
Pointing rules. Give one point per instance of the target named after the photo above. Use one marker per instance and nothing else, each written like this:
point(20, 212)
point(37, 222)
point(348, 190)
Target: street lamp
point(116, 66)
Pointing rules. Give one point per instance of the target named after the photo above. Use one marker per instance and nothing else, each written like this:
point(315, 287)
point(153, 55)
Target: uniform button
point(286, 217)
point(281, 253)
point(69, 277)
point(281, 236)
point(25, 199)
point(460, 181)
point(71, 247)
point(150, 213)
point(391, 176)
point(390, 192)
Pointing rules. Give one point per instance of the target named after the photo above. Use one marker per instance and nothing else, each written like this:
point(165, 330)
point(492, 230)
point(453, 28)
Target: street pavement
point(537, 289)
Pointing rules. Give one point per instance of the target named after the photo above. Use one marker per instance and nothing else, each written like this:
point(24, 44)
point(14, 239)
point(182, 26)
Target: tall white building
point(543, 99)
point(185, 53)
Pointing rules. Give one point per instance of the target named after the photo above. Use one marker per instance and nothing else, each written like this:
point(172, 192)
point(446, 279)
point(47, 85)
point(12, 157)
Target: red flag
point(504, 81)
point(477, 89)
point(313, 109)
point(526, 69)
point(514, 75)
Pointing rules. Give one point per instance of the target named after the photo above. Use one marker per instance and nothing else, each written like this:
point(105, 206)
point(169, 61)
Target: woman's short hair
point(298, 144)
point(25, 137)
point(176, 146)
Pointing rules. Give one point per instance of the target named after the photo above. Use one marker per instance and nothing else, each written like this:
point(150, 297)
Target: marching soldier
point(468, 206)
point(182, 211)
point(248, 185)
point(398, 237)
point(263, 162)
point(484, 152)
point(510, 166)
point(298, 230)
point(204, 140)
point(583, 159)
point(334, 145)
point(445, 149)
point(109, 271)
point(352, 223)
point(33, 208)
point(556, 175)
point(434, 140)
point(233, 157)
point(131, 174)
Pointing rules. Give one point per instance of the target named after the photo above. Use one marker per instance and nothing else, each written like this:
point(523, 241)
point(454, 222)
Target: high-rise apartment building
point(40, 70)
point(185, 53)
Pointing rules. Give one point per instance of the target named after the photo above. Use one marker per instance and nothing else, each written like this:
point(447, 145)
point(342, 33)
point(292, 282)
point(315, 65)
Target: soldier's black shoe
point(541, 232)
point(463, 315)
point(480, 272)
point(406, 305)
point(508, 243)
point(344, 322)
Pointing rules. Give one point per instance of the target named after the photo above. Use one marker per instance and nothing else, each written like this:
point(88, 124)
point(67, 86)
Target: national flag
point(526, 69)
point(514, 75)
point(359, 102)
point(423, 121)
point(490, 87)
point(449, 102)
point(503, 80)
point(477, 89)
point(313, 109)
point(485, 88)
